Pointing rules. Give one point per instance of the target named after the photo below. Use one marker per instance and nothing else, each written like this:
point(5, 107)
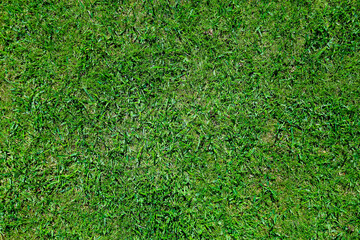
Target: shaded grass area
point(179, 119)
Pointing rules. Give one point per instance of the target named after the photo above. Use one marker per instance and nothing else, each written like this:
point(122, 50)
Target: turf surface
point(179, 119)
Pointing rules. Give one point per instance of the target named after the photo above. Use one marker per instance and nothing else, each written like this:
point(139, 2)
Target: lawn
point(179, 119)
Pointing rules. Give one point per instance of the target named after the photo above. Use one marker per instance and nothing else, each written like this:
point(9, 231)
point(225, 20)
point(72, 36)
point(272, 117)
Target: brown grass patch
point(269, 136)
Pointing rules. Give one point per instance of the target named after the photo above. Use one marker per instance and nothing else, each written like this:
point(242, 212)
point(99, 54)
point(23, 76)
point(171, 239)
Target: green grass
point(179, 119)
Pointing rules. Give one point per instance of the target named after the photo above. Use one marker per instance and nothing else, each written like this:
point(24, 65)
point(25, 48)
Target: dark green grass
point(179, 119)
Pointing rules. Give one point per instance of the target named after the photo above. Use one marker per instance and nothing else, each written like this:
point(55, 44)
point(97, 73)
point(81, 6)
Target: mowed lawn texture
point(179, 119)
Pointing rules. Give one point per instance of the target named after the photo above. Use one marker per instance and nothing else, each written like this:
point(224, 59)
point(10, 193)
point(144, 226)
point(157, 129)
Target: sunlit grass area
point(179, 119)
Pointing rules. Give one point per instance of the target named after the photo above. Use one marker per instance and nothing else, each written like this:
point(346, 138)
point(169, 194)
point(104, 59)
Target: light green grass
point(179, 119)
